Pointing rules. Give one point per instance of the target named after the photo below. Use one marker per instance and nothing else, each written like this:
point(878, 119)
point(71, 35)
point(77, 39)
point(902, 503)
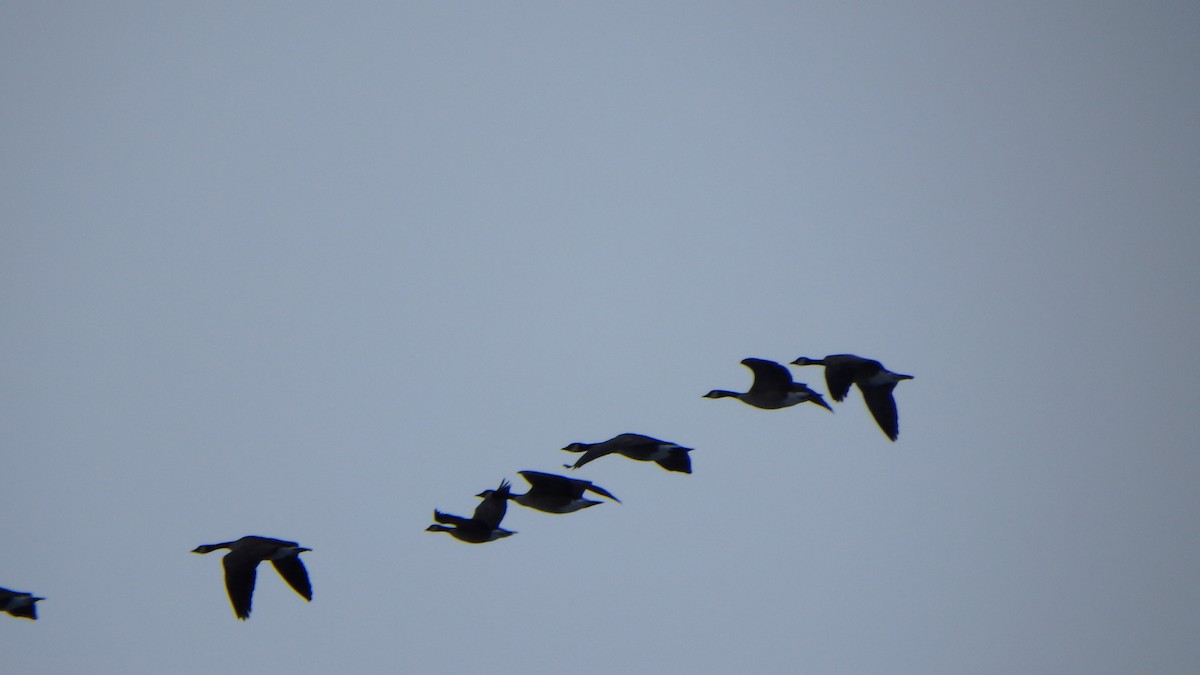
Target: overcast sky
point(310, 270)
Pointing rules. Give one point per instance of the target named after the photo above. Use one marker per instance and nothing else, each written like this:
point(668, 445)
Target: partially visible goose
point(555, 494)
point(670, 456)
point(772, 388)
point(874, 381)
point(19, 604)
point(241, 565)
point(484, 525)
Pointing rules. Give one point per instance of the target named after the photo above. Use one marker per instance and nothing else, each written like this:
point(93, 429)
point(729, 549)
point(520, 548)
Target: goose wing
point(269, 542)
point(449, 519)
point(601, 491)
point(595, 452)
point(843, 370)
point(551, 485)
point(838, 379)
point(635, 445)
point(623, 443)
point(293, 572)
point(491, 508)
point(629, 440)
point(769, 377)
point(882, 405)
point(240, 575)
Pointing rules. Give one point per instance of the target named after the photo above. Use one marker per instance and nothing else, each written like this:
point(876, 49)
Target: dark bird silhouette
point(555, 494)
point(19, 604)
point(241, 565)
point(772, 388)
point(670, 456)
point(484, 525)
point(874, 381)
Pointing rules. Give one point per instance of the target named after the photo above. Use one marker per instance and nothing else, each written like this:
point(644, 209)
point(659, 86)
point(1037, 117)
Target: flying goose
point(484, 525)
point(772, 388)
point(670, 456)
point(555, 494)
point(241, 565)
point(874, 381)
point(19, 604)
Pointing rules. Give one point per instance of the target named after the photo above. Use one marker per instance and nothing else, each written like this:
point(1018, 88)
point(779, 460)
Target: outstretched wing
point(628, 440)
point(491, 508)
point(601, 491)
point(552, 485)
point(839, 375)
point(595, 452)
point(882, 405)
point(240, 575)
point(292, 570)
point(449, 519)
point(768, 376)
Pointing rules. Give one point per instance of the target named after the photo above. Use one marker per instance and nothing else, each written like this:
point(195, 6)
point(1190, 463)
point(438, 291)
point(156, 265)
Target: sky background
point(310, 270)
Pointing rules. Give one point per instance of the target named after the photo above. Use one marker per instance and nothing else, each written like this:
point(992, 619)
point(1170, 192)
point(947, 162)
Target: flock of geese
point(773, 388)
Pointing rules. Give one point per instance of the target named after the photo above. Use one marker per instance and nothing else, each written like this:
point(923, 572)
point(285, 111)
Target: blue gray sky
point(310, 271)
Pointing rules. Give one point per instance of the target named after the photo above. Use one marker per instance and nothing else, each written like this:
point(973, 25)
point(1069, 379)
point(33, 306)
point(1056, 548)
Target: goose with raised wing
point(484, 525)
point(241, 567)
point(670, 456)
point(773, 388)
point(874, 381)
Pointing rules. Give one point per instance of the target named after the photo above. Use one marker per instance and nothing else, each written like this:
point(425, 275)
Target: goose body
point(555, 494)
point(241, 565)
point(484, 525)
point(670, 456)
point(773, 388)
point(19, 603)
point(874, 381)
